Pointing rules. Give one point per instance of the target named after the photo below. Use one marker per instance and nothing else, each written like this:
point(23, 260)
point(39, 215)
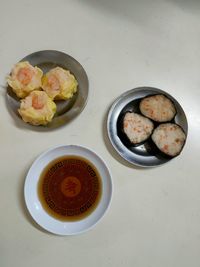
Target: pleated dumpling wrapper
point(59, 84)
point(24, 78)
point(37, 108)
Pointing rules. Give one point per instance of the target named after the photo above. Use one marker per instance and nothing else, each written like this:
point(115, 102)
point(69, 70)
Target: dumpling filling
point(169, 138)
point(158, 108)
point(136, 127)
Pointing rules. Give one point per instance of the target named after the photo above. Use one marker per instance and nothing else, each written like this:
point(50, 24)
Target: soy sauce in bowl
point(70, 188)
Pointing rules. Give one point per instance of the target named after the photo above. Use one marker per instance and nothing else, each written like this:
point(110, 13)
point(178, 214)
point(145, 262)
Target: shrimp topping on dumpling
point(37, 108)
point(24, 78)
point(59, 84)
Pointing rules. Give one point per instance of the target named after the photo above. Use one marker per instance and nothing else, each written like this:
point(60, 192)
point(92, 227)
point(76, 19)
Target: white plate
point(33, 203)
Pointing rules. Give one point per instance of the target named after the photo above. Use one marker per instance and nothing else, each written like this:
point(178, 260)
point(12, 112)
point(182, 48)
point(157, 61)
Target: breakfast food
point(37, 108)
point(38, 91)
point(59, 84)
point(24, 78)
point(159, 108)
point(137, 128)
point(169, 138)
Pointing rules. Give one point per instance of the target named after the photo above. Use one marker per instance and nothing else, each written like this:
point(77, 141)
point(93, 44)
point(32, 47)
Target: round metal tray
point(144, 155)
point(66, 109)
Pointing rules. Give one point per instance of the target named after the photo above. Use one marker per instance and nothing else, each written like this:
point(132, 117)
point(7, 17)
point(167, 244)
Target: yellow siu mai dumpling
point(59, 84)
point(24, 78)
point(37, 108)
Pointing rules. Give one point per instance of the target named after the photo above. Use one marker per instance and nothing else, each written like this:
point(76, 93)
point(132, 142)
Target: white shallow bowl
point(33, 203)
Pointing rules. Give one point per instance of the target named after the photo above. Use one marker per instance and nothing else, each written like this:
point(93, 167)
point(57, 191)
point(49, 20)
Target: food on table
point(169, 138)
point(37, 108)
point(24, 78)
point(137, 128)
point(59, 84)
point(158, 108)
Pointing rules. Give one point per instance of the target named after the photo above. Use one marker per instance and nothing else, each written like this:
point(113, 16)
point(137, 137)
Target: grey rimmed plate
point(145, 155)
point(66, 109)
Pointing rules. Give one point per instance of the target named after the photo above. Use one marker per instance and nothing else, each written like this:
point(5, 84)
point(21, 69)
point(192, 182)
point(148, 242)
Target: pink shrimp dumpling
point(37, 108)
point(24, 78)
point(59, 84)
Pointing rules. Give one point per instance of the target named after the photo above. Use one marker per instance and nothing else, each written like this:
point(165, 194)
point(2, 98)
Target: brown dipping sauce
point(69, 188)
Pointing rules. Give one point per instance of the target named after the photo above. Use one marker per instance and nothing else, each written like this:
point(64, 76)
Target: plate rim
point(110, 113)
point(109, 198)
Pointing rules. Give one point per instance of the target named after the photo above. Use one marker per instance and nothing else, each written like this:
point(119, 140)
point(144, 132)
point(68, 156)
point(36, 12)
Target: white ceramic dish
point(33, 203)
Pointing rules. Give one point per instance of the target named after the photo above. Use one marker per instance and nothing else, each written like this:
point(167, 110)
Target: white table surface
point(154, 217)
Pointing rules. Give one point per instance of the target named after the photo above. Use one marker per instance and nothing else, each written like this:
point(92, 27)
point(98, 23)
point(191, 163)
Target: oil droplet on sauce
point(69, 188)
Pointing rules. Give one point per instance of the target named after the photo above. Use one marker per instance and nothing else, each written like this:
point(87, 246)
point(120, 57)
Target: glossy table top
point(154, 215)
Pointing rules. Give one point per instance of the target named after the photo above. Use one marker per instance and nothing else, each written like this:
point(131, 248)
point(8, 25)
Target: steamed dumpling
point(59, 83)
point(37, 108)
point(24, 78)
